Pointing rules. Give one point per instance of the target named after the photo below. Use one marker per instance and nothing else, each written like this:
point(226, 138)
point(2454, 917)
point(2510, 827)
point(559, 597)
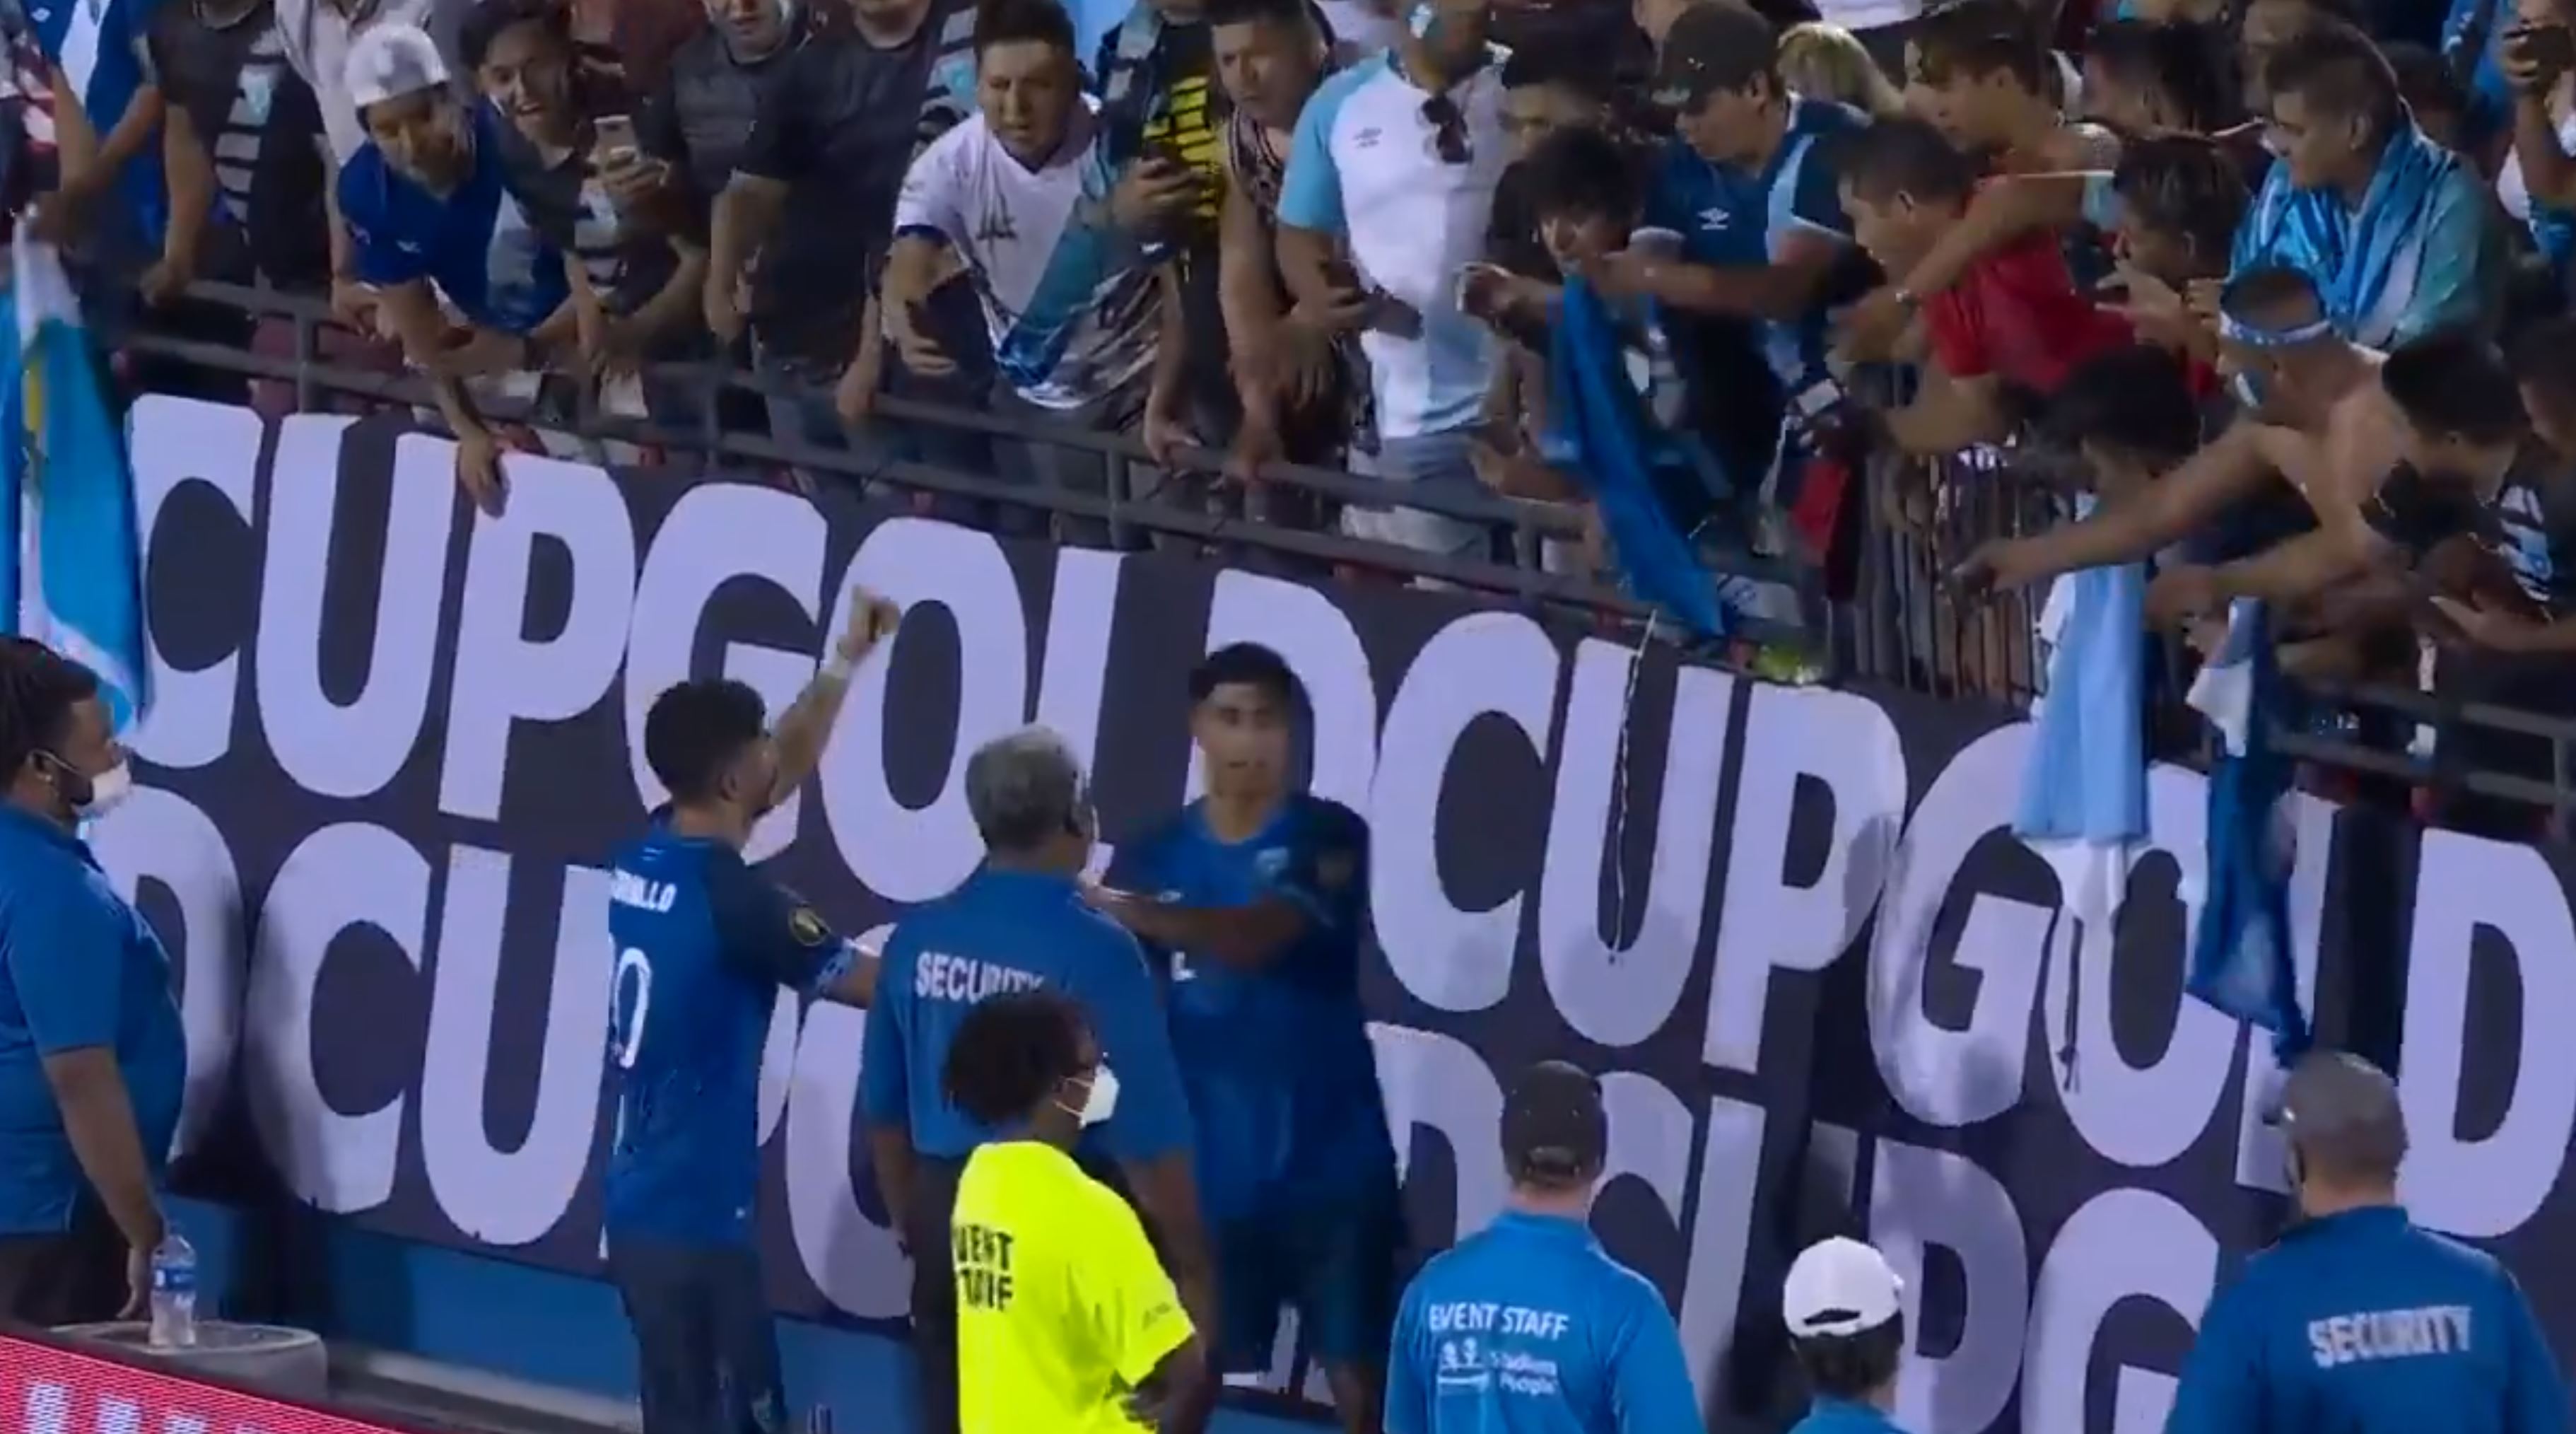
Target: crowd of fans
point(2269, 295)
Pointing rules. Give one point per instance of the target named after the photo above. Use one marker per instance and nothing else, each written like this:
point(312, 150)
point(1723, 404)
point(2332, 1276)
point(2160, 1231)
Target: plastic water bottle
point(174, 1293)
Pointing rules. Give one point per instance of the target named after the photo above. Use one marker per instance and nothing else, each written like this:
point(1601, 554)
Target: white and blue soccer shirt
point(1070, 299)
point(1730, 217)
point(1365, 167)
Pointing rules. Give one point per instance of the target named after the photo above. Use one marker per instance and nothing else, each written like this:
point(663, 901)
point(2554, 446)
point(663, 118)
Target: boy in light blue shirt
point(1846, 1313)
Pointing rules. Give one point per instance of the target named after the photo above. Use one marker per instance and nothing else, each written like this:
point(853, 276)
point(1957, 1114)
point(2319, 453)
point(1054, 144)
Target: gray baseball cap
point(2342, 1112)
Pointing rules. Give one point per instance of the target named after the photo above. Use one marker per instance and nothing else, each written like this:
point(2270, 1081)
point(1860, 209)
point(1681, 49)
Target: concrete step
point(408, 1388)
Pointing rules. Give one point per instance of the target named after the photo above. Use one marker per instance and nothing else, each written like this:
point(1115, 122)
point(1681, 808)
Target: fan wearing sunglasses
point(1387, 194)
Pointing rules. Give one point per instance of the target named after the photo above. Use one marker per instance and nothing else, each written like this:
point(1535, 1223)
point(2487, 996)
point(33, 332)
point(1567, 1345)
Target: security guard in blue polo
point(93, 1058)
point(1528, 1326)
point(2356, 1321)
point(1023, 920)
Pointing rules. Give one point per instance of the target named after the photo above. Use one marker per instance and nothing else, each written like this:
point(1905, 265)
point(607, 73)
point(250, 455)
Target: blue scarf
point(2240, 951)
point(2085, 779)
point(1602, 435)
point(2350, 256)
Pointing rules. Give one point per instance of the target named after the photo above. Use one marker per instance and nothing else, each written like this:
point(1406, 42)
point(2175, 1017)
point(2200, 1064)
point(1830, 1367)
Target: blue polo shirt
point(1011, 931)
point(79, 968)
point(497, 255)
point(703, 946)
point(1844, 1416)
point(1529, 1327)
point(1736, 218)
point(2361, 1323)
point(1282, 1078)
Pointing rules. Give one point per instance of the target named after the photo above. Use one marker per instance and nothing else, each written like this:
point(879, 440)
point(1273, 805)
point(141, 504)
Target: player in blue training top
point(1020, 922)
point(703, 946)
point(1260, 896)
point(1528, 1326)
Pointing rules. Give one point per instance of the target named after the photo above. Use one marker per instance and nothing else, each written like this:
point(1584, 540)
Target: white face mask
point(108, 790)
point(1100, 1099)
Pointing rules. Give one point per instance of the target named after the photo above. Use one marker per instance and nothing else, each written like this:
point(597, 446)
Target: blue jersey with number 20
point(703, 946)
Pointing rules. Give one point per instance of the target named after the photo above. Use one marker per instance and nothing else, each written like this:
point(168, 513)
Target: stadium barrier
point(394, 741)
point(1906, 629)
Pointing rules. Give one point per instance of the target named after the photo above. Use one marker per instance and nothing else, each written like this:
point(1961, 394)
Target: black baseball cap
point(1555, 1128)
point(1712, 45)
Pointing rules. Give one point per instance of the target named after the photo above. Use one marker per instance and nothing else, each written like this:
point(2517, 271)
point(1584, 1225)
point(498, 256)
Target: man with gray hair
point(1019, 922)
point(2357, 1321)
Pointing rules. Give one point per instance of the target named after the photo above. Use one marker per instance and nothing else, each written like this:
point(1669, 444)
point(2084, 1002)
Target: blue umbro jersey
point(1012, 931)
point(1529, 1327)
point(1282, 1078)
point(1730, 217)
point(703, 945)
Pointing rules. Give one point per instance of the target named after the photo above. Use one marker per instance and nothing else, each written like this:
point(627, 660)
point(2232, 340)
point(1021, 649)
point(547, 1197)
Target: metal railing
point(1904, 628)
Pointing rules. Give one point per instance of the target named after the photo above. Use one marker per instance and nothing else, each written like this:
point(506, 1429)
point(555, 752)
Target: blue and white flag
point(71, 552)
point(2084, 785)
point(2240, 952)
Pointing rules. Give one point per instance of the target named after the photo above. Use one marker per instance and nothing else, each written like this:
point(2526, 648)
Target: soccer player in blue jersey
point(1260, 896)
point(703, 946)
point(1020, 922)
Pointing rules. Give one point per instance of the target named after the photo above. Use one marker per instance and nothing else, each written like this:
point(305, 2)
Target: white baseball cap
point(389, 61)
point(1839, 1287)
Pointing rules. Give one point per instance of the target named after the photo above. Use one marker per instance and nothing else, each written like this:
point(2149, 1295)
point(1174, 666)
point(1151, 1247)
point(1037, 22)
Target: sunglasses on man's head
point(1448, 129)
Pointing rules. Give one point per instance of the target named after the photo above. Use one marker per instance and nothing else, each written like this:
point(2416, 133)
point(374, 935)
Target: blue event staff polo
point(1529, 1327)
point(79, 968)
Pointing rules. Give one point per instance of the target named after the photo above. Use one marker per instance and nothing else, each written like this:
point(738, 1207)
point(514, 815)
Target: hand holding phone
point(613, 139)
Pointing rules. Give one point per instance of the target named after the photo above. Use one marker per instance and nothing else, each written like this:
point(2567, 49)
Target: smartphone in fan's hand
point(614, 139)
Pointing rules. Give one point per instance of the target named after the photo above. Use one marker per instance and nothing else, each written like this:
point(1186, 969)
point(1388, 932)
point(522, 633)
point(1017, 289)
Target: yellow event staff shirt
point(1061, 1304)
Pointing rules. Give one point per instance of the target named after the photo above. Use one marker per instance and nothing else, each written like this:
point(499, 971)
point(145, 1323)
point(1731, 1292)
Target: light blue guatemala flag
point(2240, 952)
point(71, 552)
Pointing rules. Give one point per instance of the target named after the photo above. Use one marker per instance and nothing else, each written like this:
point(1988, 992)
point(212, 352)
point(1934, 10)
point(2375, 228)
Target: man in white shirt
point(1396, 159)
point(1057, 247)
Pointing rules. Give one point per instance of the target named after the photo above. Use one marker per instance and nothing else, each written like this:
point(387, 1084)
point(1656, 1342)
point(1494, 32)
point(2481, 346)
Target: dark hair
point(2182, 62)
point(2272, 296)
point(2136, 398)
point(1005, 22)
point(2183, 185)
point(1581, 172)
point(695, 730)
point(1246, 12)
point(2424, 79)
point(2543, 356)
point(1247, 664)
point(1587, 70)
point(1010, 1051)
point(487, 21)
point(1849, 1366)
point(1908, 157)
point(2340, 73)
point(2454, 384)
point(1971, 39)
point(38, 690)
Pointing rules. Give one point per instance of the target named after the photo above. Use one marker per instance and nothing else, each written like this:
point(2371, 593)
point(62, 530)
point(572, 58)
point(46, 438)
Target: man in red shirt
point(2008, 332)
